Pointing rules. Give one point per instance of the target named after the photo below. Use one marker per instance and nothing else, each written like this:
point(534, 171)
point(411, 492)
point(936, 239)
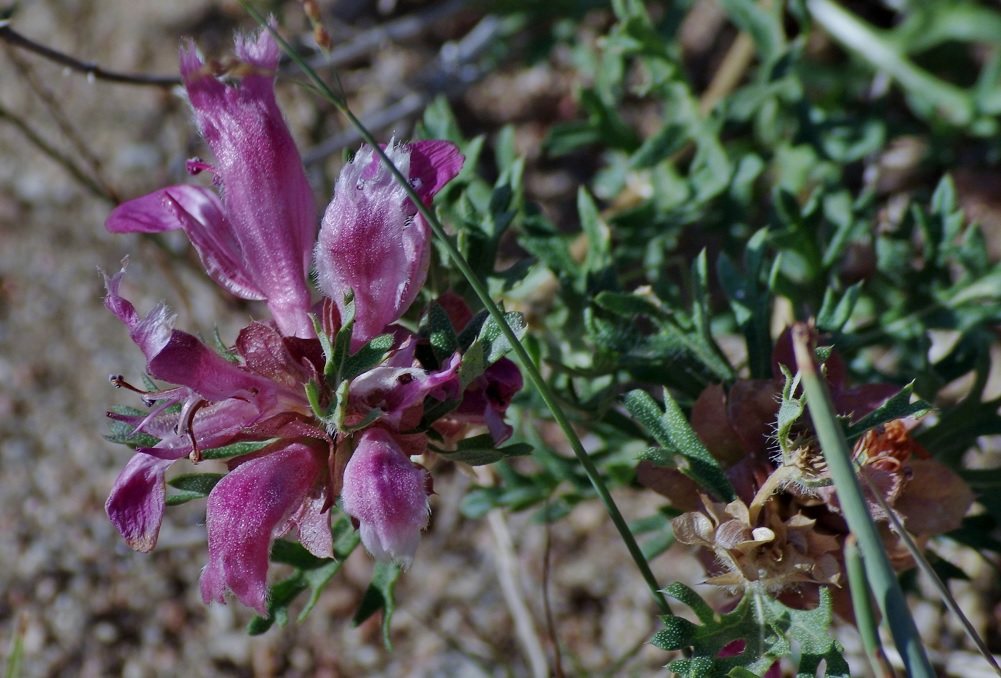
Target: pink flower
point(398, 387)
point(259, 501)
point(267, 493)
point(220, 401)
point(486, 399)
point(256, 239)
point(373, 241)
point(388, 495)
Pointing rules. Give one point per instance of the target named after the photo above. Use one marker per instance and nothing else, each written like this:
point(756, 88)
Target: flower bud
point(387, 494)
point(373, 241)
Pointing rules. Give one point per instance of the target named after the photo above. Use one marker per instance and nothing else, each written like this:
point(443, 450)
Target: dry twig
point(92, 70)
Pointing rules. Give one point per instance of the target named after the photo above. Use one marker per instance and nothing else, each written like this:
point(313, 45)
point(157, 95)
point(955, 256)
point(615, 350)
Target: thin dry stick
point(450, 74)
point(92, 70)
point(483, 656)
point(46, 96)
point(374, 38)
point(729, 74)
point(523, 623)
point(550, 619)
point(507, 567)
point(55, 154)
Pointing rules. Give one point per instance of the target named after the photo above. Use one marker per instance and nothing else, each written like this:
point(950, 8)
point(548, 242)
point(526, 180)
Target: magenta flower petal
point(180, 358)
point(199, 212)
point(313, 524)
point(151, 333)
point(186, 361)
point(257, 240)
point(135, 505)
point(245, 510)
point(267, 199)
point(395, 390)
point(371, 239)
point(486, 399)
point(387, 494)
point(433, 164)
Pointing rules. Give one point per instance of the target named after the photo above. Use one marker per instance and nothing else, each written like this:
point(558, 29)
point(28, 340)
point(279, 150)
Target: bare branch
point(450, 74)
point(92, 70)
point(372, 39)
point(56, 155)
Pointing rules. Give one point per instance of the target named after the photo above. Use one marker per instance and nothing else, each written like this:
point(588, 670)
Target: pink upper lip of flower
point(373, 242)
point(256, 240)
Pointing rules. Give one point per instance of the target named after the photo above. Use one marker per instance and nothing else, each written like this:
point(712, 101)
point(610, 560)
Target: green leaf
point(237, 449)
point(373, 353)
point(790, 410)
point(296, 555)
point(678, 350)
point(897, 407)
point(380, 596)
point(489, 344)
point(668, 140)
point(599, 237)
point(228, 354)
point(548, 245)
point(311, 574)
point(339, 350)
point(178, 498)
point(346, 540)
point(280, 596)
point(15, 650)
point(767, 628)
point(681, 446)
point(759, 23)
point(200, 483)
point(750, 299)
point(837, 308)
point(439, 122)
point(436, 327)
point(123, 433)
point(480, 450)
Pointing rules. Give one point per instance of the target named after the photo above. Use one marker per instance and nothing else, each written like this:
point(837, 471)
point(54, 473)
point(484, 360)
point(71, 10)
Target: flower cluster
point(785, 529)
point(296, 432)
point(776, 555)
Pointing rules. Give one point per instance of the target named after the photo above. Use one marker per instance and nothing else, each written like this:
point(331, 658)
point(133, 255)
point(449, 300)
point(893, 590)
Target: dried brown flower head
point(768, 551)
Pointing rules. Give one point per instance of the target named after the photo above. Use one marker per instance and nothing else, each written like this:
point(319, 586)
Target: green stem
point(926, 569)
point(527, 366)
point(882, 579)
point(862, 606)
point(873, 46)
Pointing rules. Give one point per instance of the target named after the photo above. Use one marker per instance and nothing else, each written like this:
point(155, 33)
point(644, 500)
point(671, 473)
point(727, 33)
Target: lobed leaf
point(681, 447)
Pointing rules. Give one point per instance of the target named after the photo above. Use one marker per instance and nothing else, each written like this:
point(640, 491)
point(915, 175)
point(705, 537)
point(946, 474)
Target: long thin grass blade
point(882, 578)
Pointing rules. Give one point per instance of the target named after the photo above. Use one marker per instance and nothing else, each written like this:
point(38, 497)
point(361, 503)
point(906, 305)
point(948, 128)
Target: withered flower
point(764, 550)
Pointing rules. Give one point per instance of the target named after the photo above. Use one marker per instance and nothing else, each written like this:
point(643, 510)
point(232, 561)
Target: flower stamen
point(118, 381)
